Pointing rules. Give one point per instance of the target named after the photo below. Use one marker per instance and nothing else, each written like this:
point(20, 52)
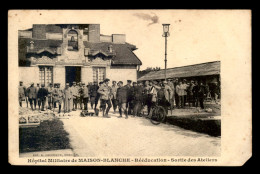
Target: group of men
point(130, 99)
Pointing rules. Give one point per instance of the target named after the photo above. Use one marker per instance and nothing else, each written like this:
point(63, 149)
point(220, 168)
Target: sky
point(196, 36)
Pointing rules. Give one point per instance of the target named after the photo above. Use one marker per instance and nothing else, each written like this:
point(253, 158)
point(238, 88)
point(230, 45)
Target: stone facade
point(66, 53)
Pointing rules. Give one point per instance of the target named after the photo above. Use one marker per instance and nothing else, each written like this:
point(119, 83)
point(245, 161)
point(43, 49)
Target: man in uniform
point(41, 95)
point(138, 98)
point(121, 96)
point(80, 89)
point(147, 96)
point(57, 96)
point(113, 96)
point(130, 104)
point(85, 96)
point(171, 85)
point(22, 91)
point(50, 97)
point(37, 100)
point(75, 95)
point(93, 95)
point(104, 92)
point(32, 96)
point(67, 95)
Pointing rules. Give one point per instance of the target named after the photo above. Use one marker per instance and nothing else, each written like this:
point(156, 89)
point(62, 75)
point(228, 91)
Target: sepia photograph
point(125, 87)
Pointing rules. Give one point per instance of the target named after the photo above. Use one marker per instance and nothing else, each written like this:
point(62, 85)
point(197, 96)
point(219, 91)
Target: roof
point(39, 46)
point(122, 54)
point(203, 69)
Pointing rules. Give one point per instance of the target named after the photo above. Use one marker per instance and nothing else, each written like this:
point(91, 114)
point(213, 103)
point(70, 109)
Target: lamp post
point(165, 34)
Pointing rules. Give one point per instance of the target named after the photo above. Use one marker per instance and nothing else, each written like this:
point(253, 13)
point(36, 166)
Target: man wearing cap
point(171, 85)
point(104, 92)
point(130, 104)
point(85, 96)
point(147, 96)
point(37, 100)
point(113, 96)
point(50, 96)
point(42, 94)
point(138, 98)
point(176, 96)
point(80, 98)
point(21, 91)
point(32, 96)
point(121, 96)
point(185, 86)
point(180, 91)
point(75, 95)
point(67, 95)
point(57, 96)
point(93, 95)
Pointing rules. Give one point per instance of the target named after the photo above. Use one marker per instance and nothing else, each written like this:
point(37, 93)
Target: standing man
point(195, 91)
point(81, 95)
point(50, 96)
point(190, 94)
point(67, 95)
point(129, 104)
point(113, 98)
point(185, 86)
point(180, 92)
point(121, 96)
point(75, 95)
point(201, 95)
point(171, 85)
point(93, 95)
point(147, 96)
point(57, 96)
point(168, 94)
point(176, 96)
point(85, 96)
point(138, 98)
point(21, 92)
point(104, 92)
point(42, 94)
point(37, 100)
point(32, 96)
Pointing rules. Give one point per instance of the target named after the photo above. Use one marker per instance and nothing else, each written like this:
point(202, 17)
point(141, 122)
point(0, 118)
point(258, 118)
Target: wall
point(122, 74)
point(29, 75)
point(86, 75)
point(39, 31)
point(55, 36)
point(25, 34)
point(118, 38)
point(59, 75)
point(104, 38)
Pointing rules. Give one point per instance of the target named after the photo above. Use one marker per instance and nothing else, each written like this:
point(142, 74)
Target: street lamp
point(165, 34)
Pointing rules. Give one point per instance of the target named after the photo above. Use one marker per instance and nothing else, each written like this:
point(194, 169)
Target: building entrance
point(73, 74)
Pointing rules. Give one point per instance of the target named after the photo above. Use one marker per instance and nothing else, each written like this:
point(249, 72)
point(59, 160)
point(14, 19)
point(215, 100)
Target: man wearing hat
point(104, 92)
point(93, 94)
point(21, 91)
point(80, 98)
point(176, 96)
point(130, 104)
point(32, 96)
point(171, 85)
point(75, 95)
point(57, 96)
point(50, 96)
point(85, 96)
point(42, 94)
point(67, 95)
point(138, 98)
point(113, 95)
point(185, 86)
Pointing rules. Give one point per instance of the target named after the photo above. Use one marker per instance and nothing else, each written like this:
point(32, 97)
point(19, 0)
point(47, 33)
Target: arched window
point(72, 40)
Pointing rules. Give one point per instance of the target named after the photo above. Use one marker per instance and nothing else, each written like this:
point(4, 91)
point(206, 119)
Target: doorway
point(73, 74)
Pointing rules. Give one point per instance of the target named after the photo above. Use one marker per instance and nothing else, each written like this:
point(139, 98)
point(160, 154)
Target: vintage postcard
point(129, 87)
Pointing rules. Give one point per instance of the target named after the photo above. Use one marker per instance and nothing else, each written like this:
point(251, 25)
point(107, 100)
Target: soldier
point(67, 95)
point(57, 96)
point(130, 104)
point(113, 98)
point(138, 98)
point(121, 96)
point(104, 97)
point(42, 94)
point(176, 96)
point(32, 95)
point(80, 89)
point(75, 95)
point(22, 91)
point(79, 99)
point(147, 96)
point(50, 97)
point(171, 85)
point(185, 86)
point(85, 96)
point(93, 95)
point(37, 100)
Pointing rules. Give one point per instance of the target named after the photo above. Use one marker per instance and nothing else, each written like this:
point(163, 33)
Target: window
point(46, 75)
point(72, 40)
point(99, 74)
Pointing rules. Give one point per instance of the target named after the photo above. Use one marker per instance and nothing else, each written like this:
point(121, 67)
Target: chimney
point(39, 31)
point(118, 38)
point(94, 32)
point(110, 48)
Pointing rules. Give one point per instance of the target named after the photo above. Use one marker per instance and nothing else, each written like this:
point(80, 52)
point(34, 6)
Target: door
point(73, 74)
